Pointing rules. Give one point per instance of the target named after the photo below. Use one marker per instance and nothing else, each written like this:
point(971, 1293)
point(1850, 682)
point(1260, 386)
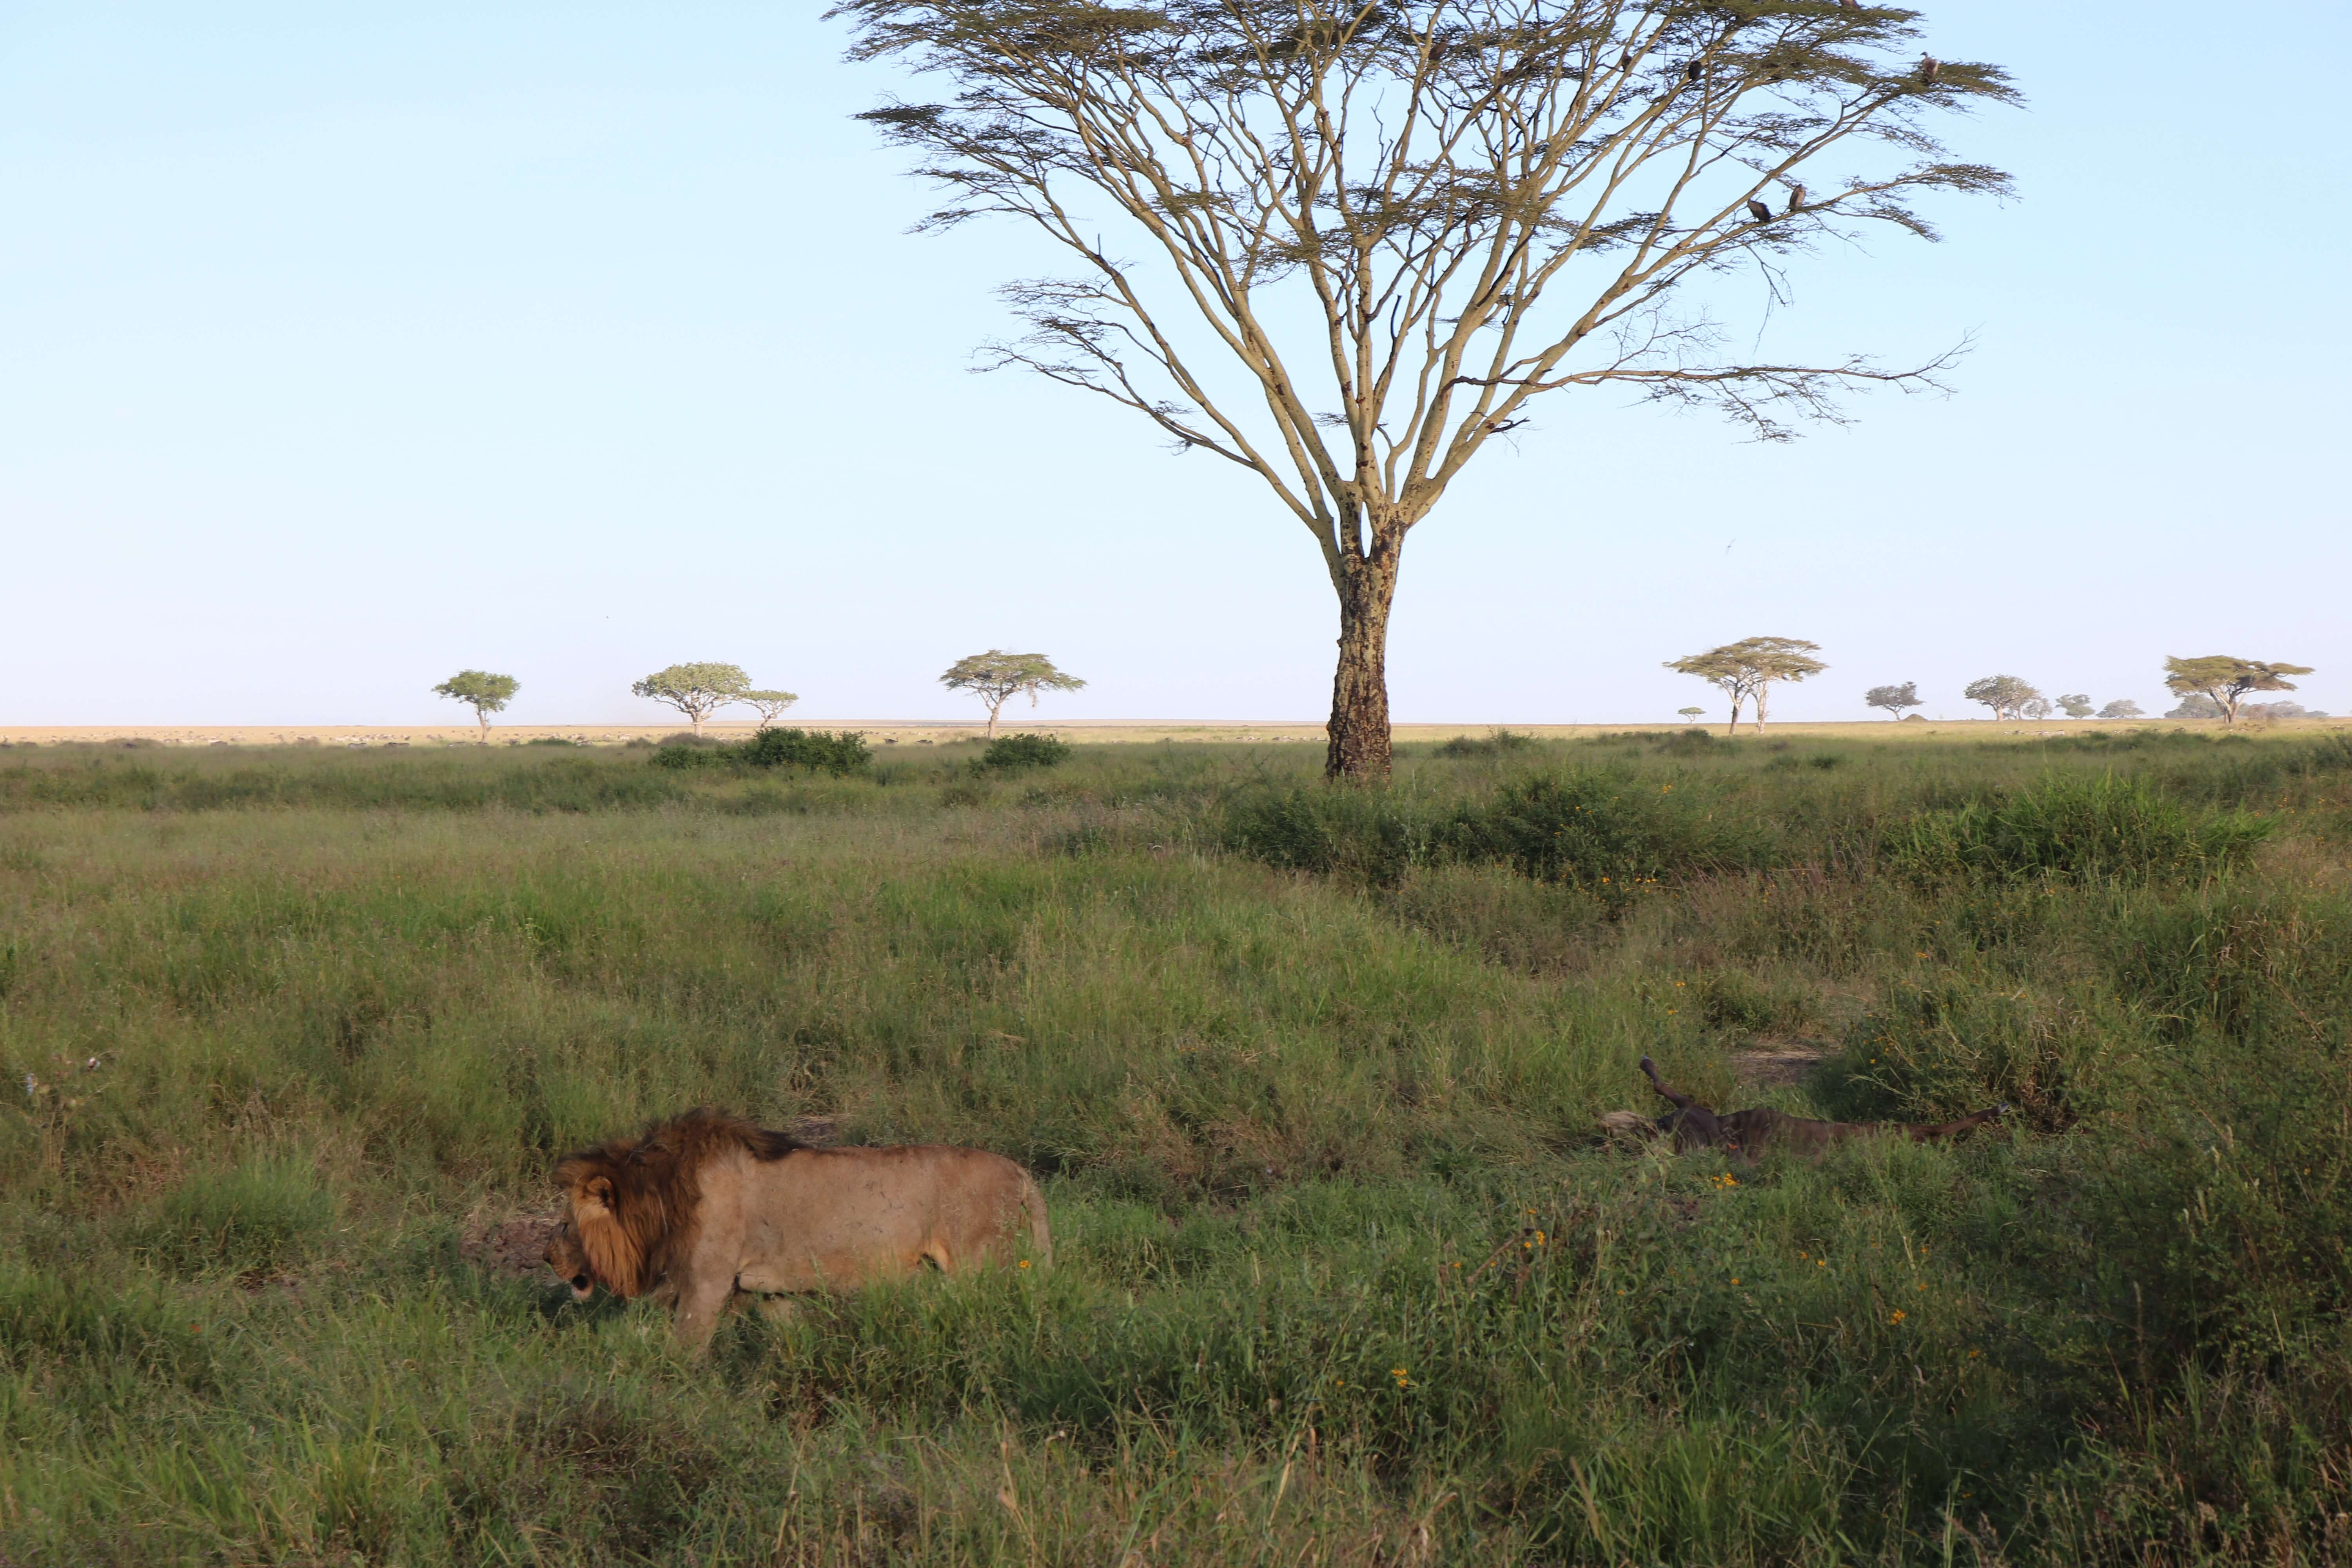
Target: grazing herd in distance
point(2215, 686)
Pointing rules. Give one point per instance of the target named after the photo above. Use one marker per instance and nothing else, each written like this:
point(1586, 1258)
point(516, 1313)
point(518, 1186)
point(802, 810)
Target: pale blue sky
point(342, 346)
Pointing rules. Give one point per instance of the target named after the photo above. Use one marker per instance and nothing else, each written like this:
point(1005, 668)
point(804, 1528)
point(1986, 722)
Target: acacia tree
point(2075, 704)
point(2121, 708)
point(769, 705)
point(697, 690)
point(2006, 695)
point(1374, 232)
point(1894, 699)
point(997, 677)
point(1746, 669)
point(483, 692)
point(2226, 681)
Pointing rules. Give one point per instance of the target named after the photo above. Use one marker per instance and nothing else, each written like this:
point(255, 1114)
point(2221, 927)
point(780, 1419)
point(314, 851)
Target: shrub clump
point(1010, 753)
point(262, 1215)
point(1373, 835)
point(1600, 831)
point(1500, 743)
point(816, 750)
point(2076, 830)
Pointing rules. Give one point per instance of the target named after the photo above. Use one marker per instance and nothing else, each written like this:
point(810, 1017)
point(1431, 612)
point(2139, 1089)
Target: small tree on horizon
point(2121, 708)
point(1894, 699)
point(697, 690)
point(484, 692)
point(1692, 713)
point(1746, 669)
point(2076, 704)
point(997, 677)
point(2006, 695)
point(2226, 679)
point(769, 705)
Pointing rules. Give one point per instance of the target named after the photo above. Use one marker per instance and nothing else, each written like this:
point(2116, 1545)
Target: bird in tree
point(769, 705)
point(483, 692)
point(1894, 699)
point(697, 690)
point(2006, 695)
point(2075, 704)
point(1796, 198)
point(997, 677)
point(1347, 246)
point(2226, 681)
point(1759, 211)
point(1746, 670)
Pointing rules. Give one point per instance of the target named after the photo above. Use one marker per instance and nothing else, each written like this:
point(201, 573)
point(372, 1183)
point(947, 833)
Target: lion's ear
point(595, 1195)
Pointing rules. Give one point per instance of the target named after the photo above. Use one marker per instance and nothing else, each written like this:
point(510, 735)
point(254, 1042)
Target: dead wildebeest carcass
point(1748, 1133)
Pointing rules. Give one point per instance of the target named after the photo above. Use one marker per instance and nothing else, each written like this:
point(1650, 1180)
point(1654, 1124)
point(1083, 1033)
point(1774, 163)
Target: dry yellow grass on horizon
point(1090, 732)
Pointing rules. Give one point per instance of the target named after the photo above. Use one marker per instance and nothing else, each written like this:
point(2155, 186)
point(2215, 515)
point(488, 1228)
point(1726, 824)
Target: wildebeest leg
point(1942, 1130)
point(1680, 1101)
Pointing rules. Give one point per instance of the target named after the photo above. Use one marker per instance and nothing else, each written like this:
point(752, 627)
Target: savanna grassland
point(1345, 1273)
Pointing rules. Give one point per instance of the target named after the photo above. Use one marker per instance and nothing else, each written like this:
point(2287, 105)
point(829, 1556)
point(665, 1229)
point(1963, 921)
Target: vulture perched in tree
point(1929, 68)
point(1690, 73)
point(1759, 211)
point(1796, 198)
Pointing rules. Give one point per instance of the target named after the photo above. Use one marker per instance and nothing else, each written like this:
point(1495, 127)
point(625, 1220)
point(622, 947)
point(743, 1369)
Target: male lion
point(706, 1205)
point(1748, 1133)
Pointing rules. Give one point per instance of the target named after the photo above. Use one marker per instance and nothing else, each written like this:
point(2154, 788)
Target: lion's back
point(841, 1216)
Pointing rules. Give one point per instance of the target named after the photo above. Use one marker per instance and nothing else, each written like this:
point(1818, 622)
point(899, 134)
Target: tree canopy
point(2121, 708)
point(1345, 246)
point(769, 705)
point(2006, 695)
point(2075, 704)
point(484, 692)
point(1894, 699)
point(697, 690)
point(997, 677)
point(2226, 679)
point(1746, 669)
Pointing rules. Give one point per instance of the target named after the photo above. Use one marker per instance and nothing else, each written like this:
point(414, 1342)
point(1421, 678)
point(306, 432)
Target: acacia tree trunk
point(1359, 730)
point(484, 720)
point(1736, 700)
point(993, 708)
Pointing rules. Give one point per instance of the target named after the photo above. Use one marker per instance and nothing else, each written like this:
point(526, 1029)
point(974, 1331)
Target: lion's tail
point(1041, 1233)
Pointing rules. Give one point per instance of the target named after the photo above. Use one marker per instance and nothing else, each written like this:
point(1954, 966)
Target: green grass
point(1342, 1272)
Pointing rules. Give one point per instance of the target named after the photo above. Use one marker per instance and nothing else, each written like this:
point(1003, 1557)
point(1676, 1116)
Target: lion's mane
point(636, 1202)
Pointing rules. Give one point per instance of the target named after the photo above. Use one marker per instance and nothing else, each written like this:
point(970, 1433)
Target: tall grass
point(1343, 1272)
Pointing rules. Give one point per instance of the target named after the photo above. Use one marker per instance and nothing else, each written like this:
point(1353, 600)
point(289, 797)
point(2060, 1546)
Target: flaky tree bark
point(1358, 729)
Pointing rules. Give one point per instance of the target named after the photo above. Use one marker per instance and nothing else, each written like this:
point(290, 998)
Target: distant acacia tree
point(2034, 707)
point(482, 691)
point(2121, 708)
point(1894, 699)
point(769, 705)
point(2226, 681)
point(997, 677)
point(2196, 705)
point(2076, 704)
point(1692, 713)
point(1746, 670)
point(1345, 245)
point(2006, 695)
point(697, 690)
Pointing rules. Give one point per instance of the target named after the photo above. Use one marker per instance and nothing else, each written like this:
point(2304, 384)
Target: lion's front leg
point(699, 1302)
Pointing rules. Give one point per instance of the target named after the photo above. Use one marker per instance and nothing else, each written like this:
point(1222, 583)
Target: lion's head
point(636, 1202)
point(569, 1259)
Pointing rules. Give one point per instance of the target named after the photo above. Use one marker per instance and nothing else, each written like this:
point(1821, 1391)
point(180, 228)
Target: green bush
point(1501, 742)
point(1601, 831)
point(2075, 830)
point(816, 750)
point(1372, 833)
point(1025, 751)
